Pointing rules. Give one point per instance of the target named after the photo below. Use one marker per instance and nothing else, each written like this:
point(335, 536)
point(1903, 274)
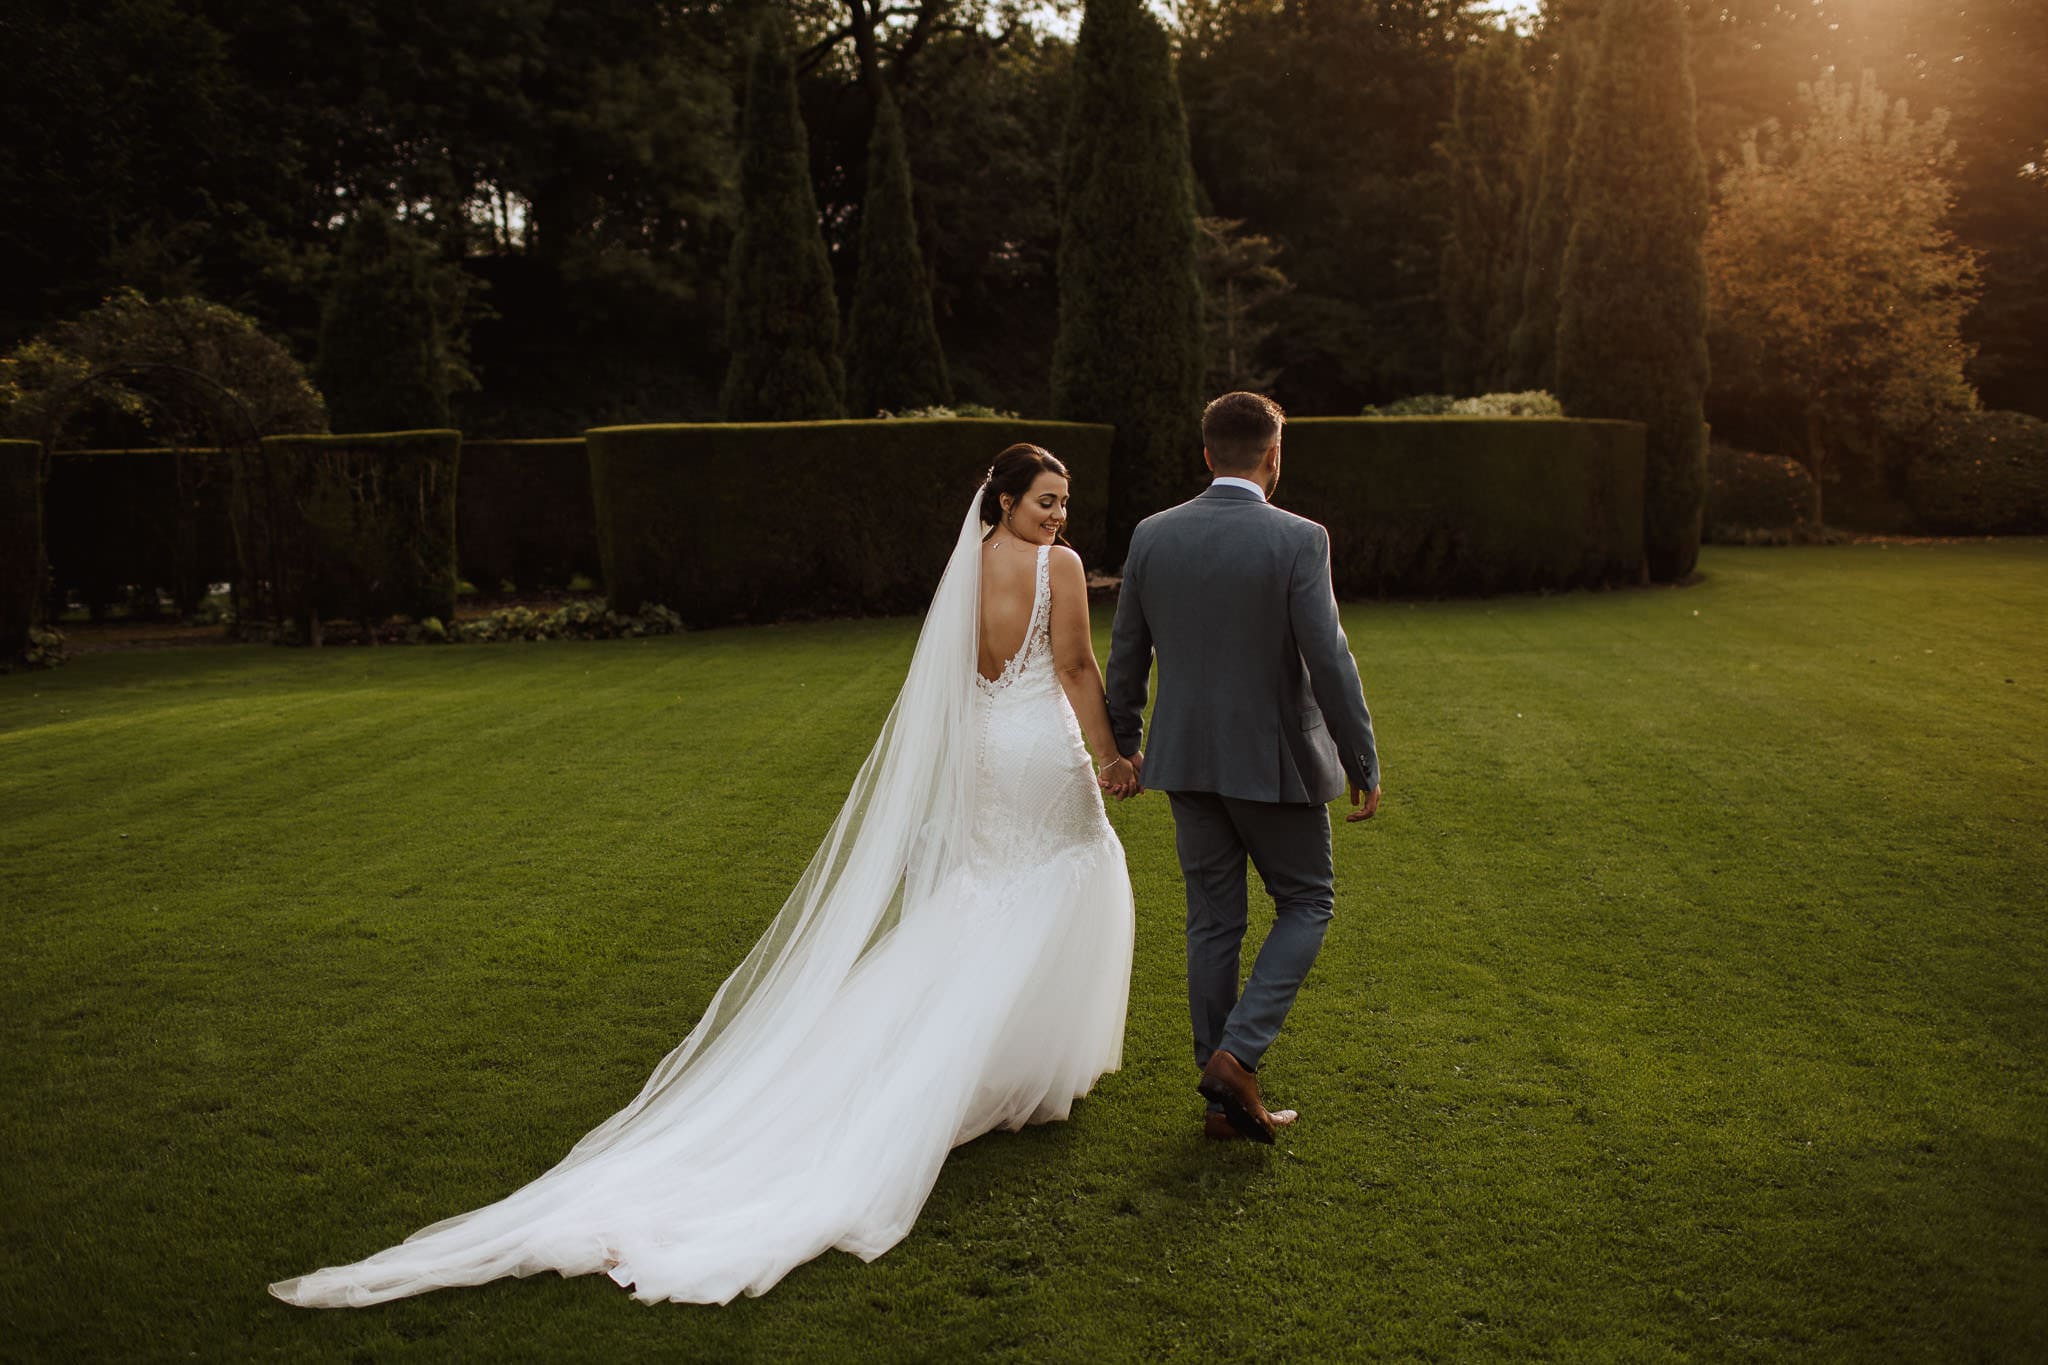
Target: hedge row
point(1443, 505)
point(154, 518)
point(523, 514)
point(360, 526)
point(751, 521)
point(21, 545)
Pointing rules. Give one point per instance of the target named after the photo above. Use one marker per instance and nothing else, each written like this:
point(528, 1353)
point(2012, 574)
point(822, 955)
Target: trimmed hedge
point(360, 526)
point(1451, 505)
point(153, 518)
point(21, 545)
point(753, 521)
point(1748, 492)
point(523, 513)
point(1982, 473)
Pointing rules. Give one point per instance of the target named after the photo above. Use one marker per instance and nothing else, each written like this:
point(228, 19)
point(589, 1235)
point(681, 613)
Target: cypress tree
point(1632, 316)
point(1130, 344)
point(1486, 151)
point(893, 359)
point(781, 317)
point(383, 362)
point(1533, 346)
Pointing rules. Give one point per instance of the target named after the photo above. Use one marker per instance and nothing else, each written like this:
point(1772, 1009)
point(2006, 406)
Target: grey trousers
point(1290, 846)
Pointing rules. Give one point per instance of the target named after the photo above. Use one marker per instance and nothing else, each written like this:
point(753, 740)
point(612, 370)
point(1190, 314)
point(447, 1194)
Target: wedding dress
point(955, 958)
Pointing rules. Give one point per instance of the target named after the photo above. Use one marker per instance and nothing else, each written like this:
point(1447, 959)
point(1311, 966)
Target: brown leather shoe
point(1216, 1127)
point(1226, 1082)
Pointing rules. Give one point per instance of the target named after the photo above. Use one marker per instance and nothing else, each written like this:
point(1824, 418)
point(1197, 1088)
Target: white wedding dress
point(956, 958)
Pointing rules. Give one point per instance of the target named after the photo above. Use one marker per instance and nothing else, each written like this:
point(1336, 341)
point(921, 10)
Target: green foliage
point(1749, 493)
point(570, 621)
point(358, 527)
point(1485, 150)
point(1836, 289)
point(1534, 403)
point(1456, 505)
point(390, 329)
point(22, 564)
point(1315, 125)
point(781, 319)
point(1239, 282)
point(153, 519)
point(1982, 473)
point(1532, 347)
point(1130, 345)
point(735, 522)
point(523, 513)
point(144, 405)
point(1631, 337)
point(893, 354)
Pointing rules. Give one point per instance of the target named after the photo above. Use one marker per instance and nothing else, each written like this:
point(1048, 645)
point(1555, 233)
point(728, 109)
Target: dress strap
point(1041, 594)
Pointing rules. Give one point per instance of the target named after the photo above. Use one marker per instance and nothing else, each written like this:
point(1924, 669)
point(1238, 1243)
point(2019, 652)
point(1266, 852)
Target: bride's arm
point(1073, 653)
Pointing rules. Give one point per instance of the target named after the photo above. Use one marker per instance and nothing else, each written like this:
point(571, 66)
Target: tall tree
point(1485, 151)
point(1334, 161)
point(387, 362)
point(1532, 347)
point(1238, 280)
point(1130, 343)
point(1837, 290)
point(893, 355)
point(1632, 322)
point(782, 320)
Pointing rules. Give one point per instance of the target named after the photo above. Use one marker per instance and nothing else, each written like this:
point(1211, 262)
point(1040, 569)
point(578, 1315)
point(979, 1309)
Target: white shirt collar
point(1236, 482)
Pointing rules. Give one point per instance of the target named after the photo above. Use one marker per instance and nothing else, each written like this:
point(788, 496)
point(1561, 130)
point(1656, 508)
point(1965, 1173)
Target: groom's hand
point(1366, 806)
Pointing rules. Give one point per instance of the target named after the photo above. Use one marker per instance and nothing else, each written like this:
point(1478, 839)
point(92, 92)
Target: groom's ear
point(1208, 459)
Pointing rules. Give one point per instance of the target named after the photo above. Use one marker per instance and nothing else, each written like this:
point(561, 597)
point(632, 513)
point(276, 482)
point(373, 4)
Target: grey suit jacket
point(1258, 693)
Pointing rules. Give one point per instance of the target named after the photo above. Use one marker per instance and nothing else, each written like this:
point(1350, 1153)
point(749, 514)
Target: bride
point(955, 958)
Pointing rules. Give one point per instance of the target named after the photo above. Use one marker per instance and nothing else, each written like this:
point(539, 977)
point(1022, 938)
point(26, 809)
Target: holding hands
point(1122, 777)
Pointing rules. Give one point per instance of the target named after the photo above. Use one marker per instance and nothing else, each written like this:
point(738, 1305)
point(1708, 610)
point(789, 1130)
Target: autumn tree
point(1837, 291)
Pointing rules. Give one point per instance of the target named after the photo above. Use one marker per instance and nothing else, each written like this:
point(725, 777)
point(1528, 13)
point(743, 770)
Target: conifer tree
point(1486, 152)
point(1130, 344)
point(383, 362)
point(781, 317)
point(894, 360)
point(1532, 360)
point(1632, 318)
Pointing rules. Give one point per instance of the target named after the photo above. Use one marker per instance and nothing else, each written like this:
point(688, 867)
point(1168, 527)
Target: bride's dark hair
point(1014, 471)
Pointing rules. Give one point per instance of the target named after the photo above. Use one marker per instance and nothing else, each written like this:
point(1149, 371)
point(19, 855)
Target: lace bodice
point(1036, 792)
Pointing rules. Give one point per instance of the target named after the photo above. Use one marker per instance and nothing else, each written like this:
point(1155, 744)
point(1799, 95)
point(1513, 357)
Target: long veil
point(904, 828)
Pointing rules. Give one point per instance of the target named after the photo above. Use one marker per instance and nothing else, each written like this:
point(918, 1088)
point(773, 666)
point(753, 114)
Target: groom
point(1260, 721)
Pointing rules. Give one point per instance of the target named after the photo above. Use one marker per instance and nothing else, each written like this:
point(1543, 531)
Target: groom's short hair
point(1238, 428)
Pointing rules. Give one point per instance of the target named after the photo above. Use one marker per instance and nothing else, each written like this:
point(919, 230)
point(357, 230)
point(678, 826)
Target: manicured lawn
point(1688, 998)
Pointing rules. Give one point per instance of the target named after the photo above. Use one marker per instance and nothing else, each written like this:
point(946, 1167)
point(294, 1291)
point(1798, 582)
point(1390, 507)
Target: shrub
point(1748, 493)
point(1441, 505)
point(753, 521)
point(523, 513)
point(359, 526)
point(1534, 403)
point(1982, 473)
point(154, 519)
point(893, 356)
point(21, 546)
point(151, 403)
